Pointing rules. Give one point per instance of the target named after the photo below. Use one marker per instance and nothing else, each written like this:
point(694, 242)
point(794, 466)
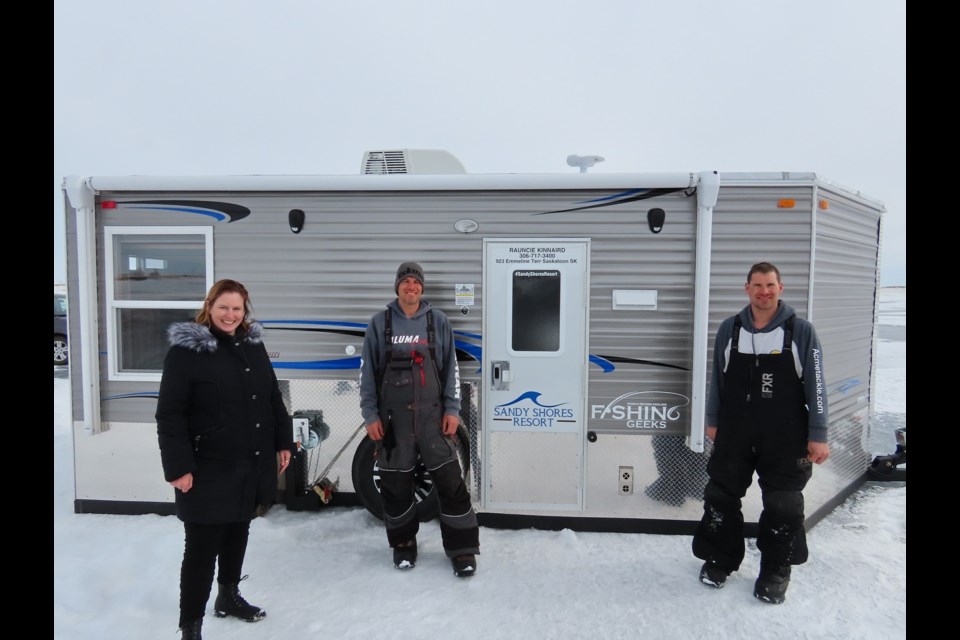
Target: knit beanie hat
point(407, 269)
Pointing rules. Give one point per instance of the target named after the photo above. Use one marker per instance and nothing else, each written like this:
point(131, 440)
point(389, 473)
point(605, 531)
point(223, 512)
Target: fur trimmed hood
point(198, 337)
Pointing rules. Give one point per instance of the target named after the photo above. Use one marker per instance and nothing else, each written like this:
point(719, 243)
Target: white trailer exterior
point(584, 307)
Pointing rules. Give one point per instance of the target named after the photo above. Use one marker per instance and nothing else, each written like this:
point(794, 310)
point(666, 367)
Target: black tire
point(59, 349)
point(366, 479)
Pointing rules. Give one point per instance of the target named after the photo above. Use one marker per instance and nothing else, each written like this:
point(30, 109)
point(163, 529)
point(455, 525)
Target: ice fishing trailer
point(584, 307)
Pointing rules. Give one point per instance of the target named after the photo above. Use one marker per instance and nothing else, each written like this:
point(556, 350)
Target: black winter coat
point(221, 417)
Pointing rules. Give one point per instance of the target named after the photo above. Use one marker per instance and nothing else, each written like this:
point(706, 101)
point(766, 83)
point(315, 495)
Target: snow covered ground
point(328, 574)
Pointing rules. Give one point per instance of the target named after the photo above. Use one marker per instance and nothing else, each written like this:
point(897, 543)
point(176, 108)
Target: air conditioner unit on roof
point(419, 161)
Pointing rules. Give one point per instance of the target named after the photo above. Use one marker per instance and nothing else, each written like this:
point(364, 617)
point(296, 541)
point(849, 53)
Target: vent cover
point(422, 161)
point(380, 162)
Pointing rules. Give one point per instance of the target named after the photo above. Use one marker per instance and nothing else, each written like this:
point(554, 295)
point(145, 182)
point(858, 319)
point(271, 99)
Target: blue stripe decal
point(229, 211)
point(325, 365)
point(616, 196)
point(325, 323)
point(474, 350)
point(603, 363)
point(136, 394)
point(845, 385)
point(216, 215)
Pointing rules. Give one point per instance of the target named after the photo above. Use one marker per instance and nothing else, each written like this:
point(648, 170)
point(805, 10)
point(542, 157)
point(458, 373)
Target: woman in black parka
point(221, 422)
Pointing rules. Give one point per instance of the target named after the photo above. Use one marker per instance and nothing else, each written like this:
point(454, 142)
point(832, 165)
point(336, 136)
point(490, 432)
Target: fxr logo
point(766, 385)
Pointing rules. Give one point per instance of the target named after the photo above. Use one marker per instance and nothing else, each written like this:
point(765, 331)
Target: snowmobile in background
point(886, 467)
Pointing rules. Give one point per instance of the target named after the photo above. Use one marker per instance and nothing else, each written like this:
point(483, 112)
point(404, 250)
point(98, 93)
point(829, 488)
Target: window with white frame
point(155, 276)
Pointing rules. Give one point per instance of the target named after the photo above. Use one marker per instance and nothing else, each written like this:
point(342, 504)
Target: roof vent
point(421, 161)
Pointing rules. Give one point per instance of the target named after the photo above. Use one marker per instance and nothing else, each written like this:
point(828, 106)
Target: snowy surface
point(893, 306)
point(328, 574)
point(891, 397)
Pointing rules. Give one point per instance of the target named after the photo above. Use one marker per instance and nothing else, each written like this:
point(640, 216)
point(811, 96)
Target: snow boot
point(231, 603)
point(405, 555)
point(464, 566)
point(191, 630)
point(771, 585)
point(713, 575)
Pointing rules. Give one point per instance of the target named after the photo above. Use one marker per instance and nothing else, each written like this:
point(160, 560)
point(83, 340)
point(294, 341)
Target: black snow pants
point(762, 427)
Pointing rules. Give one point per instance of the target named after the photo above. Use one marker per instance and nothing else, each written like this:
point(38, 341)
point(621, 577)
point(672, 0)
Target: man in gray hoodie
point(766, 413)
point(410, 401)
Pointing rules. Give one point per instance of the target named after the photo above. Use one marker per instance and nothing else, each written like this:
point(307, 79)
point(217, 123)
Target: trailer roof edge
point(404, 182)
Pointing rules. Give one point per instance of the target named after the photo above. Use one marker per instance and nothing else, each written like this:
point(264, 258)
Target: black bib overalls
point(411, 411)
point(762, 427)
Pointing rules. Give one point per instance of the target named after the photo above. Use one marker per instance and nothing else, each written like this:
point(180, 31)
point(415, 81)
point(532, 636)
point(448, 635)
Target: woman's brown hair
point(219, 288)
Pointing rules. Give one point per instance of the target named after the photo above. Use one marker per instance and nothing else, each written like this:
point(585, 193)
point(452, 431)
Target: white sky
point(328, 573)
point(302, 87)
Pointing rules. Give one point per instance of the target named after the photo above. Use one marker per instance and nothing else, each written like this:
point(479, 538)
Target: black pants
point(458, 521)
point(207, 545)
point(783, 472)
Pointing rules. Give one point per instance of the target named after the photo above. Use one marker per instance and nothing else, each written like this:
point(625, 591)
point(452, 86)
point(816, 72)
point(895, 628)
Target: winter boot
point(464, 566)
point(771, 585)
point(711, 574)
point(405, 555)
point(231, 603)
point(191, 630)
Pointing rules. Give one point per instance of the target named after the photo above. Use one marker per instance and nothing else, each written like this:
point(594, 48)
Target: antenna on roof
point(584, 162)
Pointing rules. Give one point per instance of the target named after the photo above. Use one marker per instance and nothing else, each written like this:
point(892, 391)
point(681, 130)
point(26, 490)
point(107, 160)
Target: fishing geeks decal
point(652, 411)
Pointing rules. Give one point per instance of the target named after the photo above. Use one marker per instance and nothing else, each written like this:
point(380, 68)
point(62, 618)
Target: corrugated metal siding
point(844, 310)
point(625, 258)
point(140, 408)
point(749, 228)
point(340, 268)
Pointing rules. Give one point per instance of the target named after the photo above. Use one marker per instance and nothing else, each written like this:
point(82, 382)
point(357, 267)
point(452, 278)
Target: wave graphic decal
point(356, 329)
point(219, 211)
point(325, 365)
point(532, 396)
point(150, 395)
point(624, 197)
point(466, 351)
point(845, 385)
point(606, 363)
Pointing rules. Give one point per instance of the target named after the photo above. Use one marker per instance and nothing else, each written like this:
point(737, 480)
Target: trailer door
point(535, 298)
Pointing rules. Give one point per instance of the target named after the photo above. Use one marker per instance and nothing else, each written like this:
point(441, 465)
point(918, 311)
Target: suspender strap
point(735, 340)
point(388, 335)
point(431, 335)
point(439, 367)
point(788, 333)
point(388, 341)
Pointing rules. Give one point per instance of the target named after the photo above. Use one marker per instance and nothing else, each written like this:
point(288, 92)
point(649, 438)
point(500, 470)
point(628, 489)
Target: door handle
point(500, 375)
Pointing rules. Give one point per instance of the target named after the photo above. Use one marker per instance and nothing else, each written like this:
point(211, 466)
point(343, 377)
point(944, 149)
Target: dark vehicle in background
point(59, 329)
